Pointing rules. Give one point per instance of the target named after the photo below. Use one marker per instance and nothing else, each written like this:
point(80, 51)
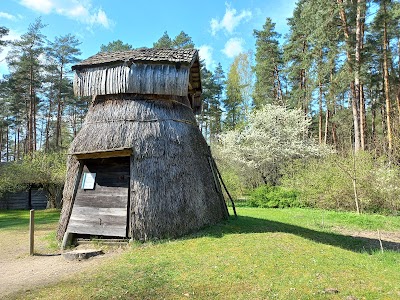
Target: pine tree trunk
point(334, 136)
point(31, 118)
point(74, 122)
point(15, 145)
point(356, 115)
point(354, 85)
point(387, 84)
point(18, 150)
point(7, 144)
point(1, 140)
point(398, 85)
point(373, 125)
point(384, 127)
point(326, 127)
point(47, 142)
point(363, 119)
point(320, 114)
point(279, 93)
point(361, 9)
point(59, 105)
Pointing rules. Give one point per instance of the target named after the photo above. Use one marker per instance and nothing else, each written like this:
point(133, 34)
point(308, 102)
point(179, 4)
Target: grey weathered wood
point(31, 232)
point(104, 153)
point(103, 210)
point(38, 199)
point(138, 79)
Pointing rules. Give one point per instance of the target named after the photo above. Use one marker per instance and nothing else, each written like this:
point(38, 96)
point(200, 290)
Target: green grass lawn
point(18, 219)
point(263, 254)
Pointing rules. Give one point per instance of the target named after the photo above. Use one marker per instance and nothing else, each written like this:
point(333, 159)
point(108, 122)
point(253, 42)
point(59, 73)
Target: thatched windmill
point(139, 167)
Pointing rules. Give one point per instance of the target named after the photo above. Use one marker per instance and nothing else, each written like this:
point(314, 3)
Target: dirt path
point(390, 240)
point(21, 272)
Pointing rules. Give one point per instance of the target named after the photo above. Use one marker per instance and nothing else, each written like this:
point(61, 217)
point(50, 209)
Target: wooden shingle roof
point(142, 55)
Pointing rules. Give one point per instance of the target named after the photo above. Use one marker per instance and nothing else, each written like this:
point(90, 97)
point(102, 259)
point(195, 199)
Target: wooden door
point(103, 209)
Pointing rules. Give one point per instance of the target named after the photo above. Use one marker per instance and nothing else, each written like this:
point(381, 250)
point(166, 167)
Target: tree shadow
point(243, 225)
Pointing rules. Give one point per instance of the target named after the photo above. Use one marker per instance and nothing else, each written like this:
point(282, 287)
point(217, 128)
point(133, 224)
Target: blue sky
point(219, 29)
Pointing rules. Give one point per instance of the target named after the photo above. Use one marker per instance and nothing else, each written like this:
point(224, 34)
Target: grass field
point(263, 254)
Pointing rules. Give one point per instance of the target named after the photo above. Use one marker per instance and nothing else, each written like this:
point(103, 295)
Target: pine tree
point(3, 32)
point(114, 46)
point(233, 103)
point(26, 67)
point(63, 51)
point(268, 58)
point(182, 40)
point(163, 42)
point(216, 102)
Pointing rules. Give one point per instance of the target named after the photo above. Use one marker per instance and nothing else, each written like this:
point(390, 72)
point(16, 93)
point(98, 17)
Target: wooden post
point(223, 184)
point(31, 231)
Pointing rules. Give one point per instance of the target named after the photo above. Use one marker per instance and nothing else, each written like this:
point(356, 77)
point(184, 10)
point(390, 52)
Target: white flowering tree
point(274, 136)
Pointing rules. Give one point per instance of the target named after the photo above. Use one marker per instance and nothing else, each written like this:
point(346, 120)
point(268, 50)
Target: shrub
point(45, 169)
point(273, 197)
point(328, 183)
point(273, 137)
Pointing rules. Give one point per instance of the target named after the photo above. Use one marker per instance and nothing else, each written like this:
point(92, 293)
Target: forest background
point(308, 119)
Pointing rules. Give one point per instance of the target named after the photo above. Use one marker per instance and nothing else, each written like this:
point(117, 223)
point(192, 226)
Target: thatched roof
point(172, 190)
point(171, 72)
point(142, 55)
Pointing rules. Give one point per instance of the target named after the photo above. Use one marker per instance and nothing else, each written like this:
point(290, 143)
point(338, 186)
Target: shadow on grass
point(245, 225)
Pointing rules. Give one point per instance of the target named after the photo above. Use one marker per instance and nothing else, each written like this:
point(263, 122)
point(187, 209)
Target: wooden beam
point(119, 152)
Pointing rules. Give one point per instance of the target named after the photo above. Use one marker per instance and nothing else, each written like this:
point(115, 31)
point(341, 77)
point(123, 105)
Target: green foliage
point(163, 42)
point(328, 183)
point(182, 40)
point(273, 197)
point(233, 182)
point(238, 89)
point(45, 169)
point(268, 87)
point(114, 46)
point(3, 32)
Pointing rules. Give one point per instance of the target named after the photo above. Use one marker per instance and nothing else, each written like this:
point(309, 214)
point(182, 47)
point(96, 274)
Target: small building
point(33, 197)
point(139, 167)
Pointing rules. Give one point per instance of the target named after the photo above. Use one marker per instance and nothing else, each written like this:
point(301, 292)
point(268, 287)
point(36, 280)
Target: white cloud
point(205, 52)
point(230, 20)
point(81, 11)
point(233, 47)
point(5, 15)
point(42, 6)
point(101, 18)
point(12, 36)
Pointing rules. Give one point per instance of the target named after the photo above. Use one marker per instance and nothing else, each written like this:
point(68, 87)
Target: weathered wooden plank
point(104, 81)
point(98, 221)
point(89, 213)
point(103, 154)
point(119, 231)
point(139, 79)
point(19, 200)
point(38, 199)
point(104, 201)
point(103, 210)
point(168, 79)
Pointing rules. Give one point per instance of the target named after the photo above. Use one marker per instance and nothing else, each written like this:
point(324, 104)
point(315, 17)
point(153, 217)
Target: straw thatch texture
point(153, 79)
point(172, 191)
point(73, 168)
